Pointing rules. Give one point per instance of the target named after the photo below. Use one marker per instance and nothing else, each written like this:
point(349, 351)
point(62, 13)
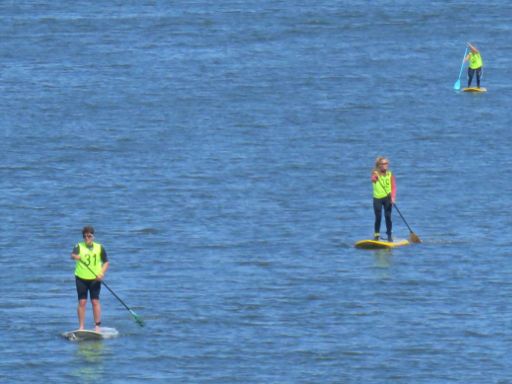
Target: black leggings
point(378, 204)
point(471, 72)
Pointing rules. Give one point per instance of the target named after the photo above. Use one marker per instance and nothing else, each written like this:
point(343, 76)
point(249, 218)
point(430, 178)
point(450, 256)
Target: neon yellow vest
point(475, 60)
point(382, 187)
point(92, 258)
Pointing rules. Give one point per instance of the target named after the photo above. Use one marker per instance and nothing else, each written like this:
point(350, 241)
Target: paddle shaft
point(462, 65)
point(403, 218)
point(457, 83)
point(111, 291)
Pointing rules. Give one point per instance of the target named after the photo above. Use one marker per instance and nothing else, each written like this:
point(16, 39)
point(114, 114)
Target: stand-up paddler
point(91, 266)
point(476, 65)
point(384, 194)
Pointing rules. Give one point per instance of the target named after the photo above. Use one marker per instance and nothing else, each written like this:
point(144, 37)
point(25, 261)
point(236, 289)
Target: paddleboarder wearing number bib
point(384, 194)
point(476, 65)
point(91, 266)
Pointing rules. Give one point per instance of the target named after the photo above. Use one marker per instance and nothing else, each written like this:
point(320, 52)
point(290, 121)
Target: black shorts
point(84, 286)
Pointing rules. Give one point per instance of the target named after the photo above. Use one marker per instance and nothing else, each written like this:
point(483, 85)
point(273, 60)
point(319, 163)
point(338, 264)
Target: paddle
point(456, 86)
point(414, 238)
point(136, 317)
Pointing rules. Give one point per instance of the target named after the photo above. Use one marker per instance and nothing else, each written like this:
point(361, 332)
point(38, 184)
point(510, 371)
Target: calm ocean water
point(222, 151)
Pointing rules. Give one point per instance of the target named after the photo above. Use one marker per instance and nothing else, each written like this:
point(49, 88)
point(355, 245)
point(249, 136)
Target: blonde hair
point(379, 160)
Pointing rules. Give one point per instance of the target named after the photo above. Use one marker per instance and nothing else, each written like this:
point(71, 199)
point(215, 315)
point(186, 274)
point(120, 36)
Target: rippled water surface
point(222, 151)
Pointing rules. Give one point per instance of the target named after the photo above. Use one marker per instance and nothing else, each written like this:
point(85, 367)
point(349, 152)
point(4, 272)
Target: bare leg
point(81, 313)
point(96, 310)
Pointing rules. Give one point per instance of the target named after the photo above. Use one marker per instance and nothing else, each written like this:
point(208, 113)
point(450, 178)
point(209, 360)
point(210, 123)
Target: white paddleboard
point(89, 334)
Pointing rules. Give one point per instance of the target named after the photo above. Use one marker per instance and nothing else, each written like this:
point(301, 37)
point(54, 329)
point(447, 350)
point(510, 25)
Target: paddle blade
point(413, 238)
point(456, 86)
point(137, 318)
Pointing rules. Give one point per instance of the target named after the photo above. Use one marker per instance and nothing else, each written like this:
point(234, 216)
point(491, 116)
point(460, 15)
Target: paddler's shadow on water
point(90, 357)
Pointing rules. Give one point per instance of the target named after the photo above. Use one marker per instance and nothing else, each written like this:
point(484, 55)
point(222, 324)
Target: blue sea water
point(222, 151)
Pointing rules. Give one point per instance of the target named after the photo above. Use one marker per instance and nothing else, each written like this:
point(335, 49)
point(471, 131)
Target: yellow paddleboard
point(474, 89)
point(380, 244)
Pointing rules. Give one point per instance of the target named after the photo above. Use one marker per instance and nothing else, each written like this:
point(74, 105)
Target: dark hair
point(88, 229)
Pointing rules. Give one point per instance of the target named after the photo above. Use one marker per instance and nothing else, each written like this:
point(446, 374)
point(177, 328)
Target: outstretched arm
point(75, 253)
point(393, 189)
point(472, 47)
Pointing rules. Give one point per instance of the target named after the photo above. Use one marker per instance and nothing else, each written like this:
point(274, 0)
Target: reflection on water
point(383, 258)
point(90, 356)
